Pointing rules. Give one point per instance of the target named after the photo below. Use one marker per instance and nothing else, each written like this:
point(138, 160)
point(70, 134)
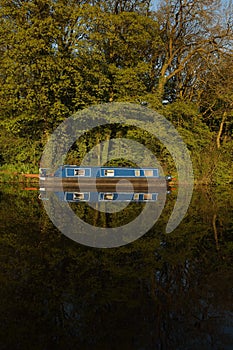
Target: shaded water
point(163, 291)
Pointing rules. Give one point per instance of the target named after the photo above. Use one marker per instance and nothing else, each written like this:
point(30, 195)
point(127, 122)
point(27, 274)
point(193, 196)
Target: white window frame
point(109, 172)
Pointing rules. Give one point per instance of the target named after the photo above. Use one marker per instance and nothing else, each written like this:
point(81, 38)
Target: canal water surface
point(162, 291)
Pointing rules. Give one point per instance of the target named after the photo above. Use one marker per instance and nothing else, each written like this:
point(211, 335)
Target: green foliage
point(182, 113)
point(224, 167)
point(121, 46)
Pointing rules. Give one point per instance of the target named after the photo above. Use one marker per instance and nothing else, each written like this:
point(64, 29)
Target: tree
point(192, 32)
point(217, 99)
point(117, 56)
point(39, 73)
point(39, 76)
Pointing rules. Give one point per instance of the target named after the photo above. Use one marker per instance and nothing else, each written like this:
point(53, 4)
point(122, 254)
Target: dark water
point(163, 291)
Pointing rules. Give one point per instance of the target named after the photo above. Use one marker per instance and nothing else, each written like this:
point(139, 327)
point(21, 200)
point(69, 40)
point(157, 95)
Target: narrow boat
point(72, 175)
point(73, 171)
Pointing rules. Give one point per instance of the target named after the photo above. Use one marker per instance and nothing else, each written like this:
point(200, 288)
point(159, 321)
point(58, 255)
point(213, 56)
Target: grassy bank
point(9, 173)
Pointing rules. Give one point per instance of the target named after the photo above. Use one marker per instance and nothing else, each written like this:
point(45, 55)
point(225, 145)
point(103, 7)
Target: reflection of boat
point(75, 196)
point(72, 175)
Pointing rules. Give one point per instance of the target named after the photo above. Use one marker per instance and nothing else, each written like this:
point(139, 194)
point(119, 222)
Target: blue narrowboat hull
point(74, 172)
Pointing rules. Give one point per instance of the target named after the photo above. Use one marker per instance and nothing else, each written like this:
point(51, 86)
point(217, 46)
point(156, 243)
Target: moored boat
point(72, 175)
point(73, 171)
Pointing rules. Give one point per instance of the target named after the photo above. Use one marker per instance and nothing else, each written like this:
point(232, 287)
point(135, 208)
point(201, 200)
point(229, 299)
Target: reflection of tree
point(162, 291)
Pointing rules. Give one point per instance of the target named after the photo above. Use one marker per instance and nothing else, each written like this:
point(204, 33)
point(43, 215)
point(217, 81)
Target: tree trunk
point(160, 88)
point(218, 140)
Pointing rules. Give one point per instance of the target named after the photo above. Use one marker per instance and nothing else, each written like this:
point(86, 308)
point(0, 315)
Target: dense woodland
point(60, 56)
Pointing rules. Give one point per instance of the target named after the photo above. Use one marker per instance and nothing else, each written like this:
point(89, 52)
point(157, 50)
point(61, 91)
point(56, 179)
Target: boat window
point(78, 195)
point(79, 172)
point(147, 196)
point(108, 196)
point(137, 172)
point(136, 196)
point(109, 172)
point(148, 172)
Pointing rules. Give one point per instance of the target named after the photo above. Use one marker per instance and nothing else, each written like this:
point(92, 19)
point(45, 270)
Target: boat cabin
point(73, 171)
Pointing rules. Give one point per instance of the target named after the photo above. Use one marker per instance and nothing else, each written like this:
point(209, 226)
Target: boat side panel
point(106, 172)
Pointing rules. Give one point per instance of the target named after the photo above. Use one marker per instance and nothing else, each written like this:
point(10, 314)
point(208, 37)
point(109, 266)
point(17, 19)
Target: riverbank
point(14, 177)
